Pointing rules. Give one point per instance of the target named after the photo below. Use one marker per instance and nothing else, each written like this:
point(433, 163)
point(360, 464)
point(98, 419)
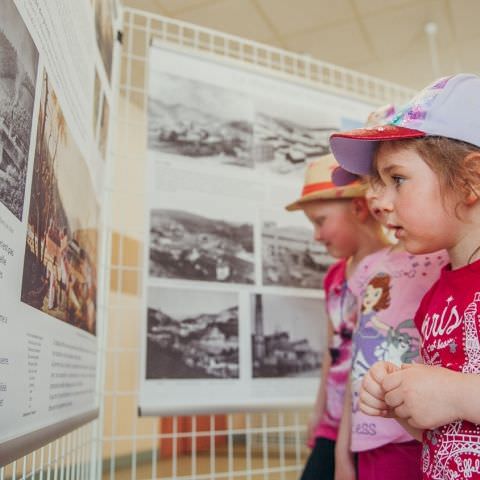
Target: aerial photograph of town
point(288, 336)
point(290, 255)
point(184, 244)
point(287, 139)
point(201, 123)
point(192, 339)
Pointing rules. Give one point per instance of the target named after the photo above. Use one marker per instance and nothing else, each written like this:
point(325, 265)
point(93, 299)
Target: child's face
point(412, 202)
point(372, 194)
point(372, 296)
point(334, 225)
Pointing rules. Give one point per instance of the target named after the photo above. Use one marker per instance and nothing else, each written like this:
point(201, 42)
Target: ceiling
point(382, 38)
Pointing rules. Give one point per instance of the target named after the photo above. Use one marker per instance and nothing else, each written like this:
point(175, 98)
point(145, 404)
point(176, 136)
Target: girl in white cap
point(428, 158)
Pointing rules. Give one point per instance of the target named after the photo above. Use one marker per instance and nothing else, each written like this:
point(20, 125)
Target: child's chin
point(416, 248)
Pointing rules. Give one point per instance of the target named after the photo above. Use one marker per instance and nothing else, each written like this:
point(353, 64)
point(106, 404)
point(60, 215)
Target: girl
point(388, 285)
point(429, 159)
point(343, 223)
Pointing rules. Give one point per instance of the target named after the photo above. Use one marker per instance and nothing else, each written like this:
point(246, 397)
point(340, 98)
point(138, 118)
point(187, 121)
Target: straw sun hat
point(318, 184)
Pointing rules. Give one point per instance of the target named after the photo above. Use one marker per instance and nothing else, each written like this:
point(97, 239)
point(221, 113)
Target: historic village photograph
point(287, 136)
point(186, 243)
point(18, 73)
point(60, 265)
point(199, 122)
point(290, 255)
point(191, 334)
point(288, 336)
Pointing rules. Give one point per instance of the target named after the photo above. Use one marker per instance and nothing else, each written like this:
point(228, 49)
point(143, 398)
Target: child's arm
point(372, 395)
point(428, 396)
point(344, 463)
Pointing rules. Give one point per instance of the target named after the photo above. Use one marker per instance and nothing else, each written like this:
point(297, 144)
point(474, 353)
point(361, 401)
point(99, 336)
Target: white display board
point(55, 70)
point(234, 308)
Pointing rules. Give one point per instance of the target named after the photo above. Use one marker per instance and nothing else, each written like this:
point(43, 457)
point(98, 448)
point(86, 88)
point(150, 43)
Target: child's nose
point(318, 234)
point(384, 202)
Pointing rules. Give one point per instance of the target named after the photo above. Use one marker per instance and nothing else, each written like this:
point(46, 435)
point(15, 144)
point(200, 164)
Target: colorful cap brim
point(354, 149)
point(334, 193)
point(341, 177)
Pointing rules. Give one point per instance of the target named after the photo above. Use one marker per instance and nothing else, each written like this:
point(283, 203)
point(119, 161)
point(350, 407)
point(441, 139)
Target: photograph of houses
point(191, 334)
point(104, 32)
point(60, 266)
point(18, 73)
point(288, 336)
point(189, 245)
point(199, 122)
point(287, 136)
point(290, 255)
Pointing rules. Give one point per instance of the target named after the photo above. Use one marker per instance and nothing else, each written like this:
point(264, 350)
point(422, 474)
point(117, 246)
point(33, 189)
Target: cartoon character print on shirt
point(398, 347)
point(369, 333)
point(375, 340)
point(453, 341)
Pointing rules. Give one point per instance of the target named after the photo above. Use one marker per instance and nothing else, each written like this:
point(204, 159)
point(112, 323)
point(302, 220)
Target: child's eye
point(397, 180)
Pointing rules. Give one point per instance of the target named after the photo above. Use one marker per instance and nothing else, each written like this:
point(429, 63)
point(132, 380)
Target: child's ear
point(360, 208)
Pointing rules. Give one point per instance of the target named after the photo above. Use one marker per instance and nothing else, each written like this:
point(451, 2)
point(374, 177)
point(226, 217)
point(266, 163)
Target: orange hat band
point(316, 187)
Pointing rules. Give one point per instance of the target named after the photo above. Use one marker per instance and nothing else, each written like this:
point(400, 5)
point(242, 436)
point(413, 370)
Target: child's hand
point(372, 395)
point(423, 395)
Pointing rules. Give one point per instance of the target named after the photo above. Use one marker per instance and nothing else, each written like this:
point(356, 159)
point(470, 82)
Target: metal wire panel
point(266, 445)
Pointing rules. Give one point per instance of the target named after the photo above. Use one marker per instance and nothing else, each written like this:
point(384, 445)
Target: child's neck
point(467, 248)
point(370, 243)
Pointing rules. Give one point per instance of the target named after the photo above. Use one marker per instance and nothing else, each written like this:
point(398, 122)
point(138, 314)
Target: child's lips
point(398, 231)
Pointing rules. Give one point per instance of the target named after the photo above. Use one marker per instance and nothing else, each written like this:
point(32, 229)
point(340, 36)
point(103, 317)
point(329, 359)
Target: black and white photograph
point(288, 336)
point(190, 244)
point(18, 73)
point(198, 122)
point(287, 136)
point(191, 334)
point(290, 255)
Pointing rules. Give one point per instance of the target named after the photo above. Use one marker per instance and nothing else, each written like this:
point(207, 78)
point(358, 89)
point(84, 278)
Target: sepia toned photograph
point(191, 334)
point(199, 122)
point(18, 73)
point(287, 136)
point(103, 131)
point(288, 336)
point(290, 255)
point(61, 257)
point(189, 245)
point(104, 32)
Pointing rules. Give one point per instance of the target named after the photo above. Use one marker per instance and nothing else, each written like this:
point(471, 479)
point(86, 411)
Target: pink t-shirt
point(389, 287)
point(449, 321)
point(341, 308)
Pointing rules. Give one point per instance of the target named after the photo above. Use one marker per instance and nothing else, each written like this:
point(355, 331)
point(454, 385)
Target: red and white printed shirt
point(449, 323)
